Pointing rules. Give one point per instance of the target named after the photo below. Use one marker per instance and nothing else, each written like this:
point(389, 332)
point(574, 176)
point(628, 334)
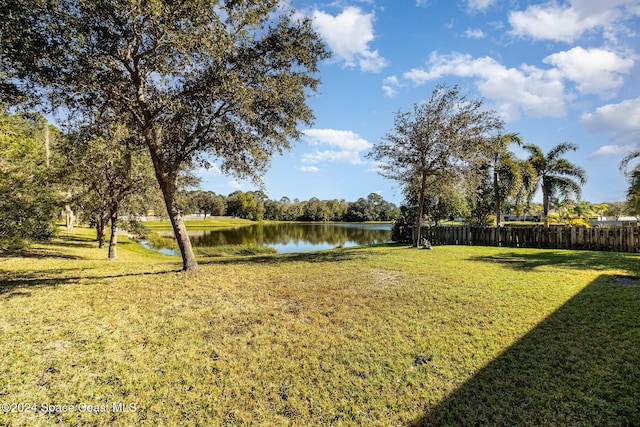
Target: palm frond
point(560, 149)
point(624, 163)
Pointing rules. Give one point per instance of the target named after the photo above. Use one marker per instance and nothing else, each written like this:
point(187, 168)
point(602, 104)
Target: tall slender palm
point(555, 173)
point(512, 178)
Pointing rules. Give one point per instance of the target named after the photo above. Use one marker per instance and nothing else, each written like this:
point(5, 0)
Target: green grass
point(227, 250)
point(372, 336)
point(199, 224)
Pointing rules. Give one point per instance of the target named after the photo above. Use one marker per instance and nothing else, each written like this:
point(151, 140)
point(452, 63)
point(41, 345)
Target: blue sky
point(555, 71)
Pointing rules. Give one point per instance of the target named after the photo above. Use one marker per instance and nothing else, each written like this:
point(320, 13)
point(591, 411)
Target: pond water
point(295, 237)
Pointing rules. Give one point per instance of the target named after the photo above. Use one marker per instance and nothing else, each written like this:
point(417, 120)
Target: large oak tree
point(197, 79)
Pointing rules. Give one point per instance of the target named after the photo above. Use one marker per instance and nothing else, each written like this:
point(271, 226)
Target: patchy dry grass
point(372, 336)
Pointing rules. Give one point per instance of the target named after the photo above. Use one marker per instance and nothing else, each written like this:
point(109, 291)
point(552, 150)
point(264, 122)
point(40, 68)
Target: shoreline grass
point(199, 224)
point(365, 336)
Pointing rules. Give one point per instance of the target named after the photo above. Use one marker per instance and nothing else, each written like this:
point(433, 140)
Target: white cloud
point(593, 70)
point(622, 120)
point(312, 169)
point(551, 21)
point(610, 150)
point(344, 139)
point(210, 169)
point(422, 3)
point(474, 33)
point(349, 145)
point(332, 156)
point(527, 89)
point(390, 86)
point(480, 5)
point(348, 35)
point(235, 184)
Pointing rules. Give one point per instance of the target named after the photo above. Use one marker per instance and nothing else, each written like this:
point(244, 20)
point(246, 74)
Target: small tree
point(600, 209)
point(106, 165)
point(447, 136)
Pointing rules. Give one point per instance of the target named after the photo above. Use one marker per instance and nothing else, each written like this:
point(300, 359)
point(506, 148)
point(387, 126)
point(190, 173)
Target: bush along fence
point(616, 239)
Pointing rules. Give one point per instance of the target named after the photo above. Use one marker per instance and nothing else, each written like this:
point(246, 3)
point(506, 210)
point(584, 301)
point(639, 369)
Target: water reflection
point(295, 237)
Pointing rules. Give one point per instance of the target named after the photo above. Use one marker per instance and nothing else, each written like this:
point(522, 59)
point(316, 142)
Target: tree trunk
point(545, 204)
point(168, 181)
point(496, 191)
point(100, 234)
point(416, 231)
point(113, 242)
point(69, 218)
point(169, 190)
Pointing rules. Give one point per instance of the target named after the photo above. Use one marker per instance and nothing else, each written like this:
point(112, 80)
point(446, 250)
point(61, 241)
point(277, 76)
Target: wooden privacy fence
point(616, 239)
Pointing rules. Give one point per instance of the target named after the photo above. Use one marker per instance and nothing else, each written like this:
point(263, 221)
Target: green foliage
point(514, 180)
point(438, 146)
point(249, 205)
point(403, 225)
point(556, 175)
point(633, 178)
point(137, 228)
point(193, 79)
point(105, 170)
point(207, 203)
point(30, 201)
point(255, 206)
point(232, 250)
point(482, 202)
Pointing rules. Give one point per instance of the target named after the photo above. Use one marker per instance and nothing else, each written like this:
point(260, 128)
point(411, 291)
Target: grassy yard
point(375, 336)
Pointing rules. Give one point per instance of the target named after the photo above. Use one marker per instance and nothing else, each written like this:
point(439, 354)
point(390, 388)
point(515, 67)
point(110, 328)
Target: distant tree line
point(256, 206)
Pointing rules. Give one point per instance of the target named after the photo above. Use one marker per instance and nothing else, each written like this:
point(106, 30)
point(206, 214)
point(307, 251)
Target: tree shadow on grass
point(580, 366)
point(38, 253)
point(54, 249)
point(20, 283)
point(335, 255)
point(589, 260)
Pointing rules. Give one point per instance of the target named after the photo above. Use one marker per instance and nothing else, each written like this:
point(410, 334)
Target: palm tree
point(556, 174)
point(633, 176)
point(517, 179)
point(633, 192)
point(628, 158)
point(512, 178)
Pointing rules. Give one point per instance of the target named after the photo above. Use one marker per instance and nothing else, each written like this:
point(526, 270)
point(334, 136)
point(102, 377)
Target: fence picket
point(618, 239)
